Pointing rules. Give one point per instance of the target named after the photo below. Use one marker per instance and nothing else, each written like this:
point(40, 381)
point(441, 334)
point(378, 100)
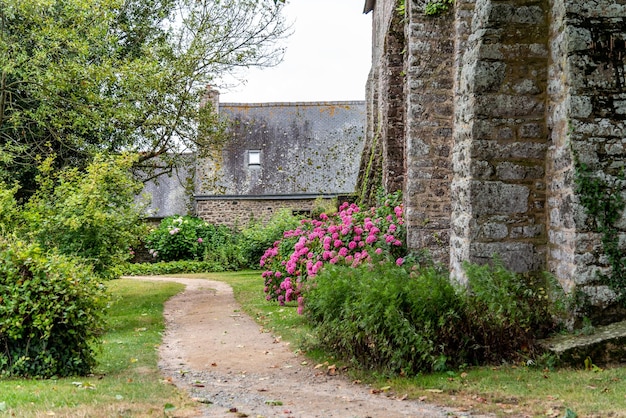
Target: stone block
point(517, 256)
point(498, 198)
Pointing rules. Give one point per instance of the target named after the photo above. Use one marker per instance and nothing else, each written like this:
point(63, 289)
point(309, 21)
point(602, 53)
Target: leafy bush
point(407, 320)
point(508, 311)
point(387, 317)
point(172, 267)
point(92, 215)
point(51, 313)
point(191, 238)
point(258, 237)
point(348, 237)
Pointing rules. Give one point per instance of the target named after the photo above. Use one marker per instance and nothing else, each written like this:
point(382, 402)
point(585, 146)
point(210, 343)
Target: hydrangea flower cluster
point(350, 237)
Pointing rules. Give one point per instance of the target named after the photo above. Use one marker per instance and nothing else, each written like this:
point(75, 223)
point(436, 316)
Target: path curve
point(219, 355)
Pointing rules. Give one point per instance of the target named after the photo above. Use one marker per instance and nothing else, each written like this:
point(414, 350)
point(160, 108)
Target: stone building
point(279, 155)
point(491, 117)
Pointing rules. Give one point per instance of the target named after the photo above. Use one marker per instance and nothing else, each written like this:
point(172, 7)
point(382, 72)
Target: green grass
point(509, 390)
point(126, 382)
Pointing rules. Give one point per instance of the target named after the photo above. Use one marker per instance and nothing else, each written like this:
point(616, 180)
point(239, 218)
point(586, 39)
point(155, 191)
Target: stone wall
point(587, 92)
point(238, 212)
point(505, 101)
point(428, 130)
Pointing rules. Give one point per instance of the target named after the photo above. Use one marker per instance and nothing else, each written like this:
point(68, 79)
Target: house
point(279, 155)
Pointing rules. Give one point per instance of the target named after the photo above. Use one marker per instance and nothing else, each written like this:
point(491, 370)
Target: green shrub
point(172, 267)
point(402, 319)
point(51, 313)
point(386, 317)
point(191, 238)
point(92, 214)
point(508, 312)
point(258, 237)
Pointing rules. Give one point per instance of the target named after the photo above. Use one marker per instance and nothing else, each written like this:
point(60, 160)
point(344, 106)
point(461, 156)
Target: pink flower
point(378, 251)
point(399, 261)
point(200, 240)
point(343, 251)
point(352, 245)
point(338, 243)
point(370, 239)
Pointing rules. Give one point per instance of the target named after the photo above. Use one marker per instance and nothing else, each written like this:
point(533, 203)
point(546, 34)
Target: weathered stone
point(498, 197)
point(606, 345)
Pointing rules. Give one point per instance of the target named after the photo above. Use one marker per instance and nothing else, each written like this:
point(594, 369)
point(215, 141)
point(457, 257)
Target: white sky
point(328, 56)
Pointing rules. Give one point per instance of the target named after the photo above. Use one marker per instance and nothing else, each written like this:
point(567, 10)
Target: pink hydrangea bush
point(349, 237)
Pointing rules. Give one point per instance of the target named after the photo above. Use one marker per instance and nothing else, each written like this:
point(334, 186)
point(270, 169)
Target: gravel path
point(218, 354)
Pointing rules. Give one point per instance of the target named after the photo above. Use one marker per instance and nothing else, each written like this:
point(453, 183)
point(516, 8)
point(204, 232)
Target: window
point(254, 157)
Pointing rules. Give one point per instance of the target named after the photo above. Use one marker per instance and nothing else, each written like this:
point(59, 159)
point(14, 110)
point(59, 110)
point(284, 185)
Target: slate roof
point(307, 148)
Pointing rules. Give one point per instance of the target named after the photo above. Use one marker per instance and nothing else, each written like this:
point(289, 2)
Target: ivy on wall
point(603, 202)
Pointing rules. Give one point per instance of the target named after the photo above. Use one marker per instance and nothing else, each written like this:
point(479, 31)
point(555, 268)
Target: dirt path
point(217, 353)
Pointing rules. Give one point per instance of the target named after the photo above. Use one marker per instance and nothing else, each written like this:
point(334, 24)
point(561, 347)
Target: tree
point(80, 77)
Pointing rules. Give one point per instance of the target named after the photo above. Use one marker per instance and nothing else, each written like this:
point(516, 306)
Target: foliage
point(348, 237)
point(92, 215)
point(410, 318)
point(604, 204)
point(126, 380)
point(257, 237)
point(51, 313)
point(386, 317)
point(191, 238)
point(437, 7)
point(173, 267)
point(509, 312)
point(80, 77)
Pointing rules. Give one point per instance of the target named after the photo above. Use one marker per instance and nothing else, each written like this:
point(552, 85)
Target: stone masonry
point(497, 104)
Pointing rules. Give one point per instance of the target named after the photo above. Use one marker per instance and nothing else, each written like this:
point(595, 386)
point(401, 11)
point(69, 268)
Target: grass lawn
point(506, 390)
point(126, 382)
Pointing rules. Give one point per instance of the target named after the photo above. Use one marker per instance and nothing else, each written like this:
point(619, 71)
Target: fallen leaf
point(385, 388)
point(422, 398)
point(273, 403)
point(332, 370)
point(214, 364)
point(434, 390)
point(232, 410)
point(403, 397)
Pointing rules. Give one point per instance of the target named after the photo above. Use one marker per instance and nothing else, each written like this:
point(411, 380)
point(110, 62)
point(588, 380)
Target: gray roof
point(306, 148)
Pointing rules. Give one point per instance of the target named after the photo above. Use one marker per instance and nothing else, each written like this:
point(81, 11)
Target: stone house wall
point(502, 101)
point(238, 212)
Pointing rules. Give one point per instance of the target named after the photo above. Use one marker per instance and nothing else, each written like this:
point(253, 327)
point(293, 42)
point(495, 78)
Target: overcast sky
point(328, 56)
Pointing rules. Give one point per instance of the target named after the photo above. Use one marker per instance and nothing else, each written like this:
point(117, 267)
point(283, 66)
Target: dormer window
point(254, 157)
